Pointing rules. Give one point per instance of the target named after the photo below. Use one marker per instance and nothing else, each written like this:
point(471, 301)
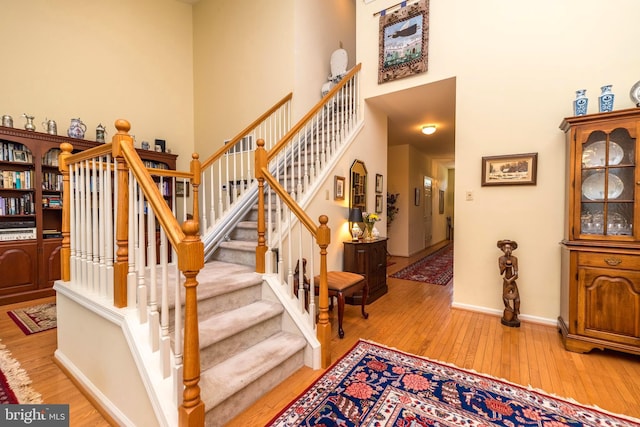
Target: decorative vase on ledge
point(606, 99)
point(581, 102)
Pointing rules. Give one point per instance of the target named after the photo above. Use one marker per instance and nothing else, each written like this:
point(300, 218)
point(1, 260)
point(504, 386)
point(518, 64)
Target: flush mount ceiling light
point(429, 129)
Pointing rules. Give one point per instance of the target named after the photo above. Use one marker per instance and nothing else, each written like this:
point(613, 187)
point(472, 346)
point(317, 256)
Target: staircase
point(243, 350)
point(234, 333)
point(253, 354)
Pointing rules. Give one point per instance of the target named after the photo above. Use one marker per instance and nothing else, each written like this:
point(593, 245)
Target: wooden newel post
point(190, 262)
point(121, 265)
point(65, 251)
point(196, 170)
point(261, 162)
point(324, 326)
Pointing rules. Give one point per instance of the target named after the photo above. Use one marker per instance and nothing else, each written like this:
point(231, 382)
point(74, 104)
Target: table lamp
point(355, 216)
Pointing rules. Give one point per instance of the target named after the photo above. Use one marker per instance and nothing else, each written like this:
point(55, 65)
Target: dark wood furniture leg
point(340, 314)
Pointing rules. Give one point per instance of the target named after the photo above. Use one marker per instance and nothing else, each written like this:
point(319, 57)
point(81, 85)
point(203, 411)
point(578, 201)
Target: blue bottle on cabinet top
point(606, 99)
point(580, 103)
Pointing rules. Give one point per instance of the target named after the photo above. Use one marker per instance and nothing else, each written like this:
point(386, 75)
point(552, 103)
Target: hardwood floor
point(418, 318)
point(413, 317)
point(35, 354)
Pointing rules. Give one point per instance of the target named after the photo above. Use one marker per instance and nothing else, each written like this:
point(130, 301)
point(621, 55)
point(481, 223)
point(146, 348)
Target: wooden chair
point(341, 284)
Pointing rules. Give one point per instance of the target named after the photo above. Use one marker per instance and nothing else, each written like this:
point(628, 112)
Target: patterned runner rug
point(36, 318)
point(436, 268)
point(373, 385)
point(15, 385)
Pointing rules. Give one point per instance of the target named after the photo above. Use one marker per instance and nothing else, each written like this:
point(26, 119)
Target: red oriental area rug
point(436, 268)
point(15, 384)
point(34, 319)
point(373, 385)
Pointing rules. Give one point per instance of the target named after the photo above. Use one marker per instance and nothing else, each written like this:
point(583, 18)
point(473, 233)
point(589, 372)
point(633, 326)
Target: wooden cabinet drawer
point(609, 260)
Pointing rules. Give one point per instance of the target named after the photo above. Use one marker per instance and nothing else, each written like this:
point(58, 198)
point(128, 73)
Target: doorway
point(427, 211)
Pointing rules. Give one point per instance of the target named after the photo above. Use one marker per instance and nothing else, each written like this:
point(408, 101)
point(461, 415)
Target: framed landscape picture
point(512, 169)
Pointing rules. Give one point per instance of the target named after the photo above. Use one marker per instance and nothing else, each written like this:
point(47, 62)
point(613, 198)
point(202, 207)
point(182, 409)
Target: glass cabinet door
point(607, 178)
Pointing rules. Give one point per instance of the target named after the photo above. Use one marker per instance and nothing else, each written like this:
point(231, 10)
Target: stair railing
point(227, 175)
point(299, 160)
point(294, 166)
point(322, 236)
point(108, 191)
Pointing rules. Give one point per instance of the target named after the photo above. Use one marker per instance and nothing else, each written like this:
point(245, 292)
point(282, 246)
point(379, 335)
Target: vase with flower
point(370, 220)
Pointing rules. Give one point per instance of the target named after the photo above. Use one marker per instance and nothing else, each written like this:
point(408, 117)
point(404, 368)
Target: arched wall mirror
point(358, 186)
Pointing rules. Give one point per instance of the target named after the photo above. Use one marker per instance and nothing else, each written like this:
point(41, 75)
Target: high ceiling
point(408, 110)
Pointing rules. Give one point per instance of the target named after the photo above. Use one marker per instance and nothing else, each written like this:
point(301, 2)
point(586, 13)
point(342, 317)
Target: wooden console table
point(368, 258)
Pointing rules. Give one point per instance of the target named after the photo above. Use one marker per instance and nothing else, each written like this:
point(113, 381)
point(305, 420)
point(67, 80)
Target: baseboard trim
point(496, 312)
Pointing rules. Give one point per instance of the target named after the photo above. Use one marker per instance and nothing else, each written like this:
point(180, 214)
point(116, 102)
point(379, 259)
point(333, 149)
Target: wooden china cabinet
point(600, 288)
point(31, 209)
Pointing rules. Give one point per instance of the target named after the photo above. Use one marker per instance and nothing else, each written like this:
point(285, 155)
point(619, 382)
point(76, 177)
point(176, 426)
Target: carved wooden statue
point(510, 296)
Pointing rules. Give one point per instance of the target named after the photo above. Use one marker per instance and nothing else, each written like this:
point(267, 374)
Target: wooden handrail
point(151, 192)
point(91, 153)
point(288, 200)
point(294, 130)
point(215, 156)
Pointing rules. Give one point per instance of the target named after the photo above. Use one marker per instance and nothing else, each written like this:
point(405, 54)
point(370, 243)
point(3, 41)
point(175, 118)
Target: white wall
point(101, 61)
point(398, 182)
point(243, 64)
point(368, 144)
point(517, 69)
point(320, 27)
point(249, 55)
point(94, 349)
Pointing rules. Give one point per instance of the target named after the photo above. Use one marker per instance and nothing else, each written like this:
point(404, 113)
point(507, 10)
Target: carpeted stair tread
point(248, 225)
point(242, 245)
point(227, 378)
point(217, 278)
point(223, 325)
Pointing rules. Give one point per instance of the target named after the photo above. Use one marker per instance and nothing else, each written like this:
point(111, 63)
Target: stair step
point(237, 251)
point(234, 331)
point(245, 231)
point(224, 286)
point(231, 386)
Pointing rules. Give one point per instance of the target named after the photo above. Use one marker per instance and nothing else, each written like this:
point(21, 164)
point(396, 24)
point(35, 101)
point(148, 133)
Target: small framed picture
point(19, 156)
point(182, 189)
point(338, 187)
point(513, 169)
point(160, 145)
point(378, 203)
point(378, 183)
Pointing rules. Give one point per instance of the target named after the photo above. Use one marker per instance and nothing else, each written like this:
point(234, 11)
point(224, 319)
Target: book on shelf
point(51, 234)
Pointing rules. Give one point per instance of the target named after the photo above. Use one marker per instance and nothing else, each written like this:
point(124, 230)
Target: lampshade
point(429, 129)
point(355, 215)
